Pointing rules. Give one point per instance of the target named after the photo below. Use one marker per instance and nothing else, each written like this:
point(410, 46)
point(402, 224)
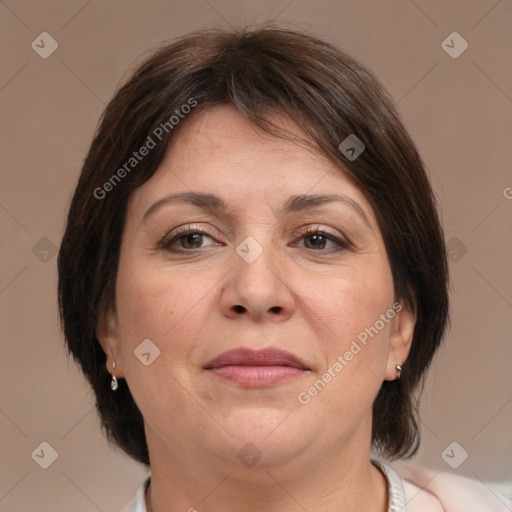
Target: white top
point(427, 491)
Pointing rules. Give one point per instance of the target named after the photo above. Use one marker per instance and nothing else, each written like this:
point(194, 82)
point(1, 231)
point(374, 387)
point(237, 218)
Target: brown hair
point(260, 72)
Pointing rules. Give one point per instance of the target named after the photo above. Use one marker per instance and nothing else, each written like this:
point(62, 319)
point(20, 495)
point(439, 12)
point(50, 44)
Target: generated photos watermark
point(304, 397)
point(137, 156)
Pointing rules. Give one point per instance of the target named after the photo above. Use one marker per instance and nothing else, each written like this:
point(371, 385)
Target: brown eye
point(186, 241)
point(191, 241)
point(317, 241)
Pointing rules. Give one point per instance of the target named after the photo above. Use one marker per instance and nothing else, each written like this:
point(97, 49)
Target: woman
point(254, 281)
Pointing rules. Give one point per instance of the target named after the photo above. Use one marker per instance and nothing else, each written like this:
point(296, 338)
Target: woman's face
point(243, 268)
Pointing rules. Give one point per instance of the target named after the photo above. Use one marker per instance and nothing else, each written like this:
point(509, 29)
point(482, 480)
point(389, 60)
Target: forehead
point(223, 133)
point(218, 151)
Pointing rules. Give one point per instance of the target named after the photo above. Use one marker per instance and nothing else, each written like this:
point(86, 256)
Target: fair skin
point(304, 294)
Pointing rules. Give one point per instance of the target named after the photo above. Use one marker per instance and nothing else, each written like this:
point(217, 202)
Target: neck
point(334, 481)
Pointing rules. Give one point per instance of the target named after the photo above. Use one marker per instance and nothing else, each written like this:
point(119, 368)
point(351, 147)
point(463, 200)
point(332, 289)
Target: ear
point(401, 339)
point(106, 332)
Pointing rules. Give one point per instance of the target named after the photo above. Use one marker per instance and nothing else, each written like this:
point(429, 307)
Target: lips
point(248, 357)
point(248, 368)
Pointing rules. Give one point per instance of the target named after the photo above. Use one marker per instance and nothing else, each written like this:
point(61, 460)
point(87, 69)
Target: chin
point(265, 429)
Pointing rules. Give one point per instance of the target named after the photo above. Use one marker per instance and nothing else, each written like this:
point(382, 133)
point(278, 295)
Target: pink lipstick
point(257, 368)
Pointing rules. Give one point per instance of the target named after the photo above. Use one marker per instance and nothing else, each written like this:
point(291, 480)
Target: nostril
point(239, 309)
point(276, 309)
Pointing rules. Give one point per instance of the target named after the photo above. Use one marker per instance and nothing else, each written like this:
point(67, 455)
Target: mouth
point(257, 368)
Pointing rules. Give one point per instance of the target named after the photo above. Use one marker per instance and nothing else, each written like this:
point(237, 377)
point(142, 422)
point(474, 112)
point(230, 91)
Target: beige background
point(458, 111)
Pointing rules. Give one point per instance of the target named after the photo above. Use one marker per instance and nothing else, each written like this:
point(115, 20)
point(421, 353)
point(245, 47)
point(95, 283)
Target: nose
point(257, 290)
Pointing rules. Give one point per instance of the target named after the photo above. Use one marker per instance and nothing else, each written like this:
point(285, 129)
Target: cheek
point(355, 347)
point(165, 307)
point(152, 301)
point(350, 304)
point(151, 304)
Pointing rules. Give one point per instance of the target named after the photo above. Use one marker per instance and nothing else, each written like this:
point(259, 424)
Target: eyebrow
point(295, 203)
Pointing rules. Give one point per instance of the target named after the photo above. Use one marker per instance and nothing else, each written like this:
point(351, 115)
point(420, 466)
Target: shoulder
point(434, 491)
point(138, 503)
point(418, 499)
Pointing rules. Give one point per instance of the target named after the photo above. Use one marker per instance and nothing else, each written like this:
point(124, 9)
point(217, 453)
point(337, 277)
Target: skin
point(303, 294)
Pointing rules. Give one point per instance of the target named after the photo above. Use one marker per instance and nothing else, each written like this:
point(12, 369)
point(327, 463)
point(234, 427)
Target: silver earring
point(113, 382)
point(398, 371)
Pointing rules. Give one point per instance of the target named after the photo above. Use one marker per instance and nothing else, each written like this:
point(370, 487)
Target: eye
point(318, 240)
point(186, 240)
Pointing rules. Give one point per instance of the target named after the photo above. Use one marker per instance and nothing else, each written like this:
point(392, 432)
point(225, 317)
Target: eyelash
point(173, 237)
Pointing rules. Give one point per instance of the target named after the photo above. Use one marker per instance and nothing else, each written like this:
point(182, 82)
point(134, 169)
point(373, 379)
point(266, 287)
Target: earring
point(113, 382)
point(398, 371)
